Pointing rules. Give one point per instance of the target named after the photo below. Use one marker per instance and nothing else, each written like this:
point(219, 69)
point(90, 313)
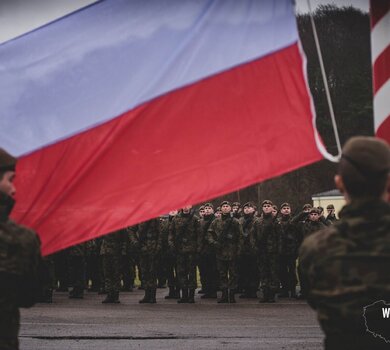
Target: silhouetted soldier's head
point(364, 168)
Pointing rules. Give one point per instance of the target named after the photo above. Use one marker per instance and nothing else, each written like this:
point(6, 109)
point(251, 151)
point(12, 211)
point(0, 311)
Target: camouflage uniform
point(48, 279)
point(76, 263)
point(288, 255)
point(268, 245)
point(207, 259)
point(331, 218)
point(112, 248)
point(93, 268)
point(162, 266)
point(247, 262)
point(168, 256)
point(304, 228)
point(128, 266)
point(147, 239)
point(20, 262)
point(224, 235)
point(183, 237)
point(61, 270)
point(346, 267)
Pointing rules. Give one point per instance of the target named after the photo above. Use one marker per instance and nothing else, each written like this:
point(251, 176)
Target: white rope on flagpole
point(327, 92)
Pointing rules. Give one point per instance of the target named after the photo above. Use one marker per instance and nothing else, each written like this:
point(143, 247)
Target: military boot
point(184, 296)
point(225, 297)
point(146, 298)
point(232, 300)
point(284, 293)
point(244, 295)
point(111, 298)
point(191, 296)
point(47, 296)
point(209, 295)
point(172, 293)
point(271, 298)
point(252, 294)
point(265, 297)
point(177, 293)
point(152, 299)
point(115, 298)
point(76, 293)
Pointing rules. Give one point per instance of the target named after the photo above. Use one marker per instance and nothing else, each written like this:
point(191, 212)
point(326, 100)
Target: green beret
point(330, 206)
point(307, 206)
point(315, 210)
point(226, 203)
point(285, 205)
point(267, 201)
point(249, 204)
point(210, 205)
point(7, 162)
point(367, 155)
point(236, 204)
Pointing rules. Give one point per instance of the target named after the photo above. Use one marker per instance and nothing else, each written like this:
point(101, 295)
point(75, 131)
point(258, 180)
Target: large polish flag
point(124, 110)
point(380, 57)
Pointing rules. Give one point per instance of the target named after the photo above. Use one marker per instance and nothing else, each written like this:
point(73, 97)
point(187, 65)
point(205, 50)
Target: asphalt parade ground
point(89, 324)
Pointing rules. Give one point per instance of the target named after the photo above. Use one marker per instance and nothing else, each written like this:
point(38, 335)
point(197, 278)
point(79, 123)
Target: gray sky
point(301, 5)
point(20, 16)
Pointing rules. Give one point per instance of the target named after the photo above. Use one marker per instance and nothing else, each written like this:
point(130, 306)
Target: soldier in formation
point(76, 256)
point(112, 248)
point(224, 235)
point(288, 252)
point(235, 252)
point(169, 257)
point(207, 258)
point(184, 233)
point(268, 244)
point(146, 238)
point(247, 260)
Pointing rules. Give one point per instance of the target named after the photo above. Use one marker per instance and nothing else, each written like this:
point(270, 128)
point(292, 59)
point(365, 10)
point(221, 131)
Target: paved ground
point(88, 324)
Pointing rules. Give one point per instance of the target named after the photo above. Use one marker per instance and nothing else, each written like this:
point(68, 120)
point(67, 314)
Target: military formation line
point(237, 250)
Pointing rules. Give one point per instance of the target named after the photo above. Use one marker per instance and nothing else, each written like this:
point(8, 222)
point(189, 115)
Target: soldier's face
point(226, 209)
point(235, 209)
point(274, 212)
point(7, 183)
point(201, 212)
point(307, 210)
point(285, 211)
point(218, 214)
point(314, 217)
point(208, 211)
point(249, 210)
point(267, 208)
point(330, 211)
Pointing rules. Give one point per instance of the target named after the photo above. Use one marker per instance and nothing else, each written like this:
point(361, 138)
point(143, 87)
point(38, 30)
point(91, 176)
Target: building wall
point(338, 203)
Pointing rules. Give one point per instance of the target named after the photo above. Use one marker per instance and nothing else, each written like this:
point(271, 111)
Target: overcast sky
point(20, 16)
